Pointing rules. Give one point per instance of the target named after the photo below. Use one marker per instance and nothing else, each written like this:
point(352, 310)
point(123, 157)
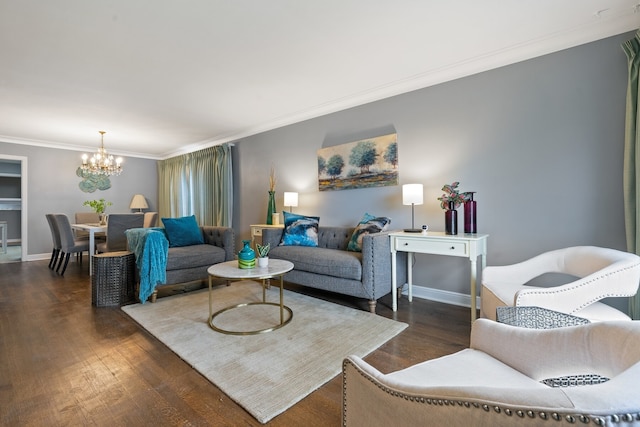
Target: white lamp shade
point(290, 199)
point(138, 202)
point(412, 194)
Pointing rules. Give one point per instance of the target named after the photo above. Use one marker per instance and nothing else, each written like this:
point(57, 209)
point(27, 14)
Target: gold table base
point(265, 285)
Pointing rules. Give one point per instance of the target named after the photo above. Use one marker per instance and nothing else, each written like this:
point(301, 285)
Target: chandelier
point(101, 163)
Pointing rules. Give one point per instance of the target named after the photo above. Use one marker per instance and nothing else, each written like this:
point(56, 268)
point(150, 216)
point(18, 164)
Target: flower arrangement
point(263, 251)
point(451, 194)
point(99, 206)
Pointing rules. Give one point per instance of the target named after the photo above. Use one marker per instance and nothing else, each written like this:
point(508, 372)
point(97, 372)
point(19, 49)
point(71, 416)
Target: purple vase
point(451, 219)
point(470, 222)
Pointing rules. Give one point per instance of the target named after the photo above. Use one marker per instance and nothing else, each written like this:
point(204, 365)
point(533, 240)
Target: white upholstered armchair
point(599, 272)
point(498, 381)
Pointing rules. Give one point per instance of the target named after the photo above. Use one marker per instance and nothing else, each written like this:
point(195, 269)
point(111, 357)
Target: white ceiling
point(164, 77)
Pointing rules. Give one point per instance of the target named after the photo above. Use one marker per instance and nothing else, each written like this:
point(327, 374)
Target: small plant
point(451, 194)
point(99, 206)
point(263, 251)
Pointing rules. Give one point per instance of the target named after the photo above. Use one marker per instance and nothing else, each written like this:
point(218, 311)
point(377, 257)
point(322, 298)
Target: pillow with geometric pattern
point(369, 224)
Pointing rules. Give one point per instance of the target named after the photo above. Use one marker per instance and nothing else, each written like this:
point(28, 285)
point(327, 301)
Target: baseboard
point(439, 295)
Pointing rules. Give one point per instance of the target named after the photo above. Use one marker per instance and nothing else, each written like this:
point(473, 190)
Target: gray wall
point(540, 141)
point(52, 186)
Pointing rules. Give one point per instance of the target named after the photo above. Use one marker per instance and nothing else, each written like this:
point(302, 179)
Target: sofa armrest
point(222, 237)
point(272, 236)
point(376, 265)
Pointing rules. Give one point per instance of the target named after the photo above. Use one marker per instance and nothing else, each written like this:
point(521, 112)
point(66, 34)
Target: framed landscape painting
point(366, 163)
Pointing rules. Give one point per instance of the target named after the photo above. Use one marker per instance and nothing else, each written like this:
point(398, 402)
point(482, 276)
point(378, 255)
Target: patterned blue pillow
point(369, 224)
point(300, 230)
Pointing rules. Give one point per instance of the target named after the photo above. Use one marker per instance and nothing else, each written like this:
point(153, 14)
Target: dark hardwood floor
point(64, 362)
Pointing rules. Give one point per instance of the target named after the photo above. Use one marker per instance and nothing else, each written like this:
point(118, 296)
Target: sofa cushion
point(194, 256)
point(183, 231)
point(328, 262)
point(300, 230)
point(368, 224)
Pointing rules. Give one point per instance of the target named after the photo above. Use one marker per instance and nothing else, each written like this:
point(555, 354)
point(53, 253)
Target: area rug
point(266, 373)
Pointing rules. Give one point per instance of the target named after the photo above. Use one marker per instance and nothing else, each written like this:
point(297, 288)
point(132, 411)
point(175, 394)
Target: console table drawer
point(439, 247)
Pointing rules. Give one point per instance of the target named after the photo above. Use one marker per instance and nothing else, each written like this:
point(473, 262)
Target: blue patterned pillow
point(300, 230)
point(183, 231)
point(369, 224)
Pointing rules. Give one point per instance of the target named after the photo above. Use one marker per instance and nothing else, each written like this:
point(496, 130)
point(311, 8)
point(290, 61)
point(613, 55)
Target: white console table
point(437, 243)
point(256, 231)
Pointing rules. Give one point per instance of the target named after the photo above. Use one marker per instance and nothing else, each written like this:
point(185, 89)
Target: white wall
point(540, 141)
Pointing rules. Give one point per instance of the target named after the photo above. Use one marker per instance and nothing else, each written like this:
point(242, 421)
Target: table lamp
point(412, 194)
point(290, 199)
point(138, 202)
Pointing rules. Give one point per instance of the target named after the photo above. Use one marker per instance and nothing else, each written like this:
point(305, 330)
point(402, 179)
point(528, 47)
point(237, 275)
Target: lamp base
point(412, 230)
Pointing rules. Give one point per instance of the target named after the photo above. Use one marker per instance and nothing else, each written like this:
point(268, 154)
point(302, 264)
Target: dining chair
point(68, 243)
point(55, 237)
point(88, 218)
point(117, 224)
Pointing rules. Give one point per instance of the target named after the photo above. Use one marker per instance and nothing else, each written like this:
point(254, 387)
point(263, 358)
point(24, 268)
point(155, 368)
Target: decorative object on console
point(182, 231)
point(412, 194)
point(271, 205)
point(101, 163)
point(470, 222)
point(450, 201)
point(300, 230)
point(246, 256)
point(451, 219)
point(374, 163)
point(99, 206)
point(291, 200)
point(369, 224)
point(138, 202)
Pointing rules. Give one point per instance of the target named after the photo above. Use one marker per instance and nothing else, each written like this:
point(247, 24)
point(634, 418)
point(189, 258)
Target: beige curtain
point(198, 183)
point(631, 184)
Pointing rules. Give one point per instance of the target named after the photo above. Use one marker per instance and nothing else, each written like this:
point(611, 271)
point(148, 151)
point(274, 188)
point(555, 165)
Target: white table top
point(230, 270)
point(89, 227)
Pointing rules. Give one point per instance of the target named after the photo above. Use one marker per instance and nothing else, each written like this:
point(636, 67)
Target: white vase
point(263, 262)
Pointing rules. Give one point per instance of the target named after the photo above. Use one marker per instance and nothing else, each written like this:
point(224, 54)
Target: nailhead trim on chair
point(557, 416)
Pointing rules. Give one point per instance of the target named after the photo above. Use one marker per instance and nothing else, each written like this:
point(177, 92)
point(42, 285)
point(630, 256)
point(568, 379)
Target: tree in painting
point(391, 154)
point(363, 155)
point(335, 166)
point(322, 165)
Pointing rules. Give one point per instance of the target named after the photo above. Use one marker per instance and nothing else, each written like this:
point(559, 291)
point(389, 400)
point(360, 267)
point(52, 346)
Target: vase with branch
point(271, 206)
point(450, 201)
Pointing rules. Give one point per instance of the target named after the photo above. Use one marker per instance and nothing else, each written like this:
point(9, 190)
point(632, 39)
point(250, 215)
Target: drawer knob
point(452, 247)
point(406, 244)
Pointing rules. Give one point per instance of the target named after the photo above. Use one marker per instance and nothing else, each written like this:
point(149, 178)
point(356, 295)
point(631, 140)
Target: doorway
point(13, 206)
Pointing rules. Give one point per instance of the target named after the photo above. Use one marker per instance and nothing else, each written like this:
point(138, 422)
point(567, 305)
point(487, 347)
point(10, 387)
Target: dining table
point(92, 229)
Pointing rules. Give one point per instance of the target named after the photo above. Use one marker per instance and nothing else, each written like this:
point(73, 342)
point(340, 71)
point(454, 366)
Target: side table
point(114, 278)
point(256, 231)
point(469, 246)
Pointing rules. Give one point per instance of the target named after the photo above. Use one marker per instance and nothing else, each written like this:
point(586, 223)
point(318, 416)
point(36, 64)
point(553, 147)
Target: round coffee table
point(229, 270)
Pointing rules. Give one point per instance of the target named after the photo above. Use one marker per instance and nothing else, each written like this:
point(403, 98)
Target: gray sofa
point(331, 267)
point(187, 265)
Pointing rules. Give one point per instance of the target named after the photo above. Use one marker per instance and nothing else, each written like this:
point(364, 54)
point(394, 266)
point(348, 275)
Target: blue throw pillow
point(183, 231)
point(300, 230)
point(369, 224)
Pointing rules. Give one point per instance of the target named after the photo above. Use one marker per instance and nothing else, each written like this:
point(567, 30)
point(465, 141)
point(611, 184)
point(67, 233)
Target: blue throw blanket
point(151, 247)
